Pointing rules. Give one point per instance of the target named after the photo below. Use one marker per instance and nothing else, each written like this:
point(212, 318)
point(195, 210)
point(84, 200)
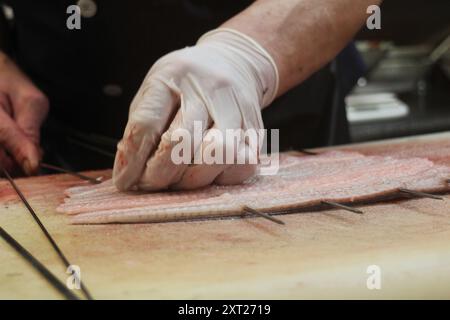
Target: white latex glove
point(223, 81)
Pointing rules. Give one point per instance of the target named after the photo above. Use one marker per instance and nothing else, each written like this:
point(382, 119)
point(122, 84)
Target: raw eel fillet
point(301, 181)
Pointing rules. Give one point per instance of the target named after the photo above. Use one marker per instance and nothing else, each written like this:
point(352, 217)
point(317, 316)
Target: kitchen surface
point(322, 254)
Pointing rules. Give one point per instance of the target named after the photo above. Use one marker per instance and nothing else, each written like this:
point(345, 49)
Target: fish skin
point(301, 181)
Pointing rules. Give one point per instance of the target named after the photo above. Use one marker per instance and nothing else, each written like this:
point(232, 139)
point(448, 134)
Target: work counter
point(396, 249)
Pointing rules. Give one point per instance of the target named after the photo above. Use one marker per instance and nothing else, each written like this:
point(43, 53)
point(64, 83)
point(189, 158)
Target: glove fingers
point(245, 168)
point(213, 162)
point(217, 150)
point(223, 107)
point(199, 175)
point(152, 107)
point(236, 174)
point(160, 170)
point(166, 166)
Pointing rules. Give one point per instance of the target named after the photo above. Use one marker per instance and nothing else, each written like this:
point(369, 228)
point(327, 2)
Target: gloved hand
point(23, 108)
point(223, 82)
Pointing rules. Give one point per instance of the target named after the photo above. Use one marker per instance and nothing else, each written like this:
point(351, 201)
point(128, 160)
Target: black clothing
point(91, 75)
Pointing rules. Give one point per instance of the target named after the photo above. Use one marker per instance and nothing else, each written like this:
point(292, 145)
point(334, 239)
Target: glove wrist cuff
point(265, 65)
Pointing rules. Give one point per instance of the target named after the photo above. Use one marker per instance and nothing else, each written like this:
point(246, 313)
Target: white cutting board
point(315, 255)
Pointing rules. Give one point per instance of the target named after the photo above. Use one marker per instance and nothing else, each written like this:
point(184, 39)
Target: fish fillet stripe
point(301, 182)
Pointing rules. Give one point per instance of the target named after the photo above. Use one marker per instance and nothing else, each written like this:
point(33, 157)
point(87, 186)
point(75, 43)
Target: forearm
point(301, 35)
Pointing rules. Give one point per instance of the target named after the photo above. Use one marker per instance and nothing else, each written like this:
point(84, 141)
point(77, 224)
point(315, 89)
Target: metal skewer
point(57, 284)
point(311, 153)
point(342, 206)
point(92, 148)
point(421, 194)
point(44, 230)
point(76, 174)
point(261, 214)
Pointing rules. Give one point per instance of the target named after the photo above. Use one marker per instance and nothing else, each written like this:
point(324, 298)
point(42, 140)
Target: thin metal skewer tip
point(308, 152)
point(43, 229)
point(262, 214)
point(342, 206)
point(421, 194)
point(76, 174)
point(36, 264)
point(92, 148)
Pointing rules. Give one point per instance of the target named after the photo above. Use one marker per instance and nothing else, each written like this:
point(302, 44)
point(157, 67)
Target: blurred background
point(406, 86)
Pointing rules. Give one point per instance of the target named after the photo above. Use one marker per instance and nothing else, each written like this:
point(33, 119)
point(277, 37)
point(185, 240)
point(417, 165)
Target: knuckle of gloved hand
point(176, 63)
point(214, 146)
point(247, 153)
point(140, 120)
point(221, 81)
point(230, 149)
point(133, 133)
point(248, 98)
point(236, 174)
point(172, 137)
